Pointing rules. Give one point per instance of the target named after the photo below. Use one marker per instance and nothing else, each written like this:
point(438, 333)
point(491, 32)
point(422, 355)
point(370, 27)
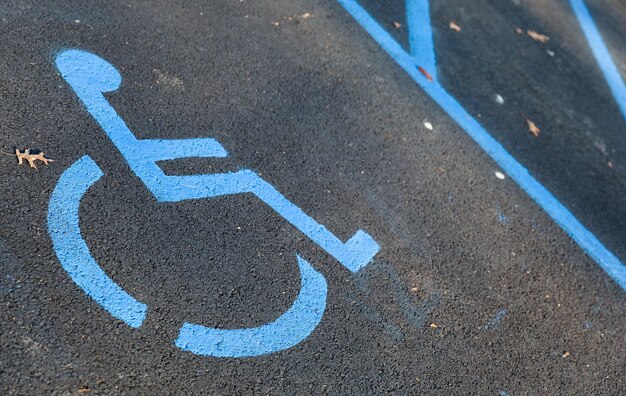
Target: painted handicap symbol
point(90, 77)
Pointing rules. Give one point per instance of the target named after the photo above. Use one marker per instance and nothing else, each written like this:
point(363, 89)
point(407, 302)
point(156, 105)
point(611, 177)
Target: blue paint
point(90, 76)
point(415, 315)
point(595, 312)
point(501, 216)
point(289, 329)
point(72, 250)
point(601, 53)
point(559, 213)
point(420, 35)
point(495, 322)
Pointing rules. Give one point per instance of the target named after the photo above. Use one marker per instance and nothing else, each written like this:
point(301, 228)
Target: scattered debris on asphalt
point(500, 175)
point(566, 354)
point(537, 36)
point(168, 80)
point(454, 26)
point(542, 38)
point(306, 15)
point(551, 53)
point(428, 125)
point(425, 73)
point(499, 99)
point(532, 127)
point(30, 158)
point(397, 25)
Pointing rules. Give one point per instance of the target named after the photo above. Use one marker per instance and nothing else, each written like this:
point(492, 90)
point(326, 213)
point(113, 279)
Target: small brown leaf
point(453, 25)
point(397, 25)
point(532, 128)
point(537, 36)
point(566, 354)
point(84, 389)
point(433, 326)
point(425, 73)
point(31, 158)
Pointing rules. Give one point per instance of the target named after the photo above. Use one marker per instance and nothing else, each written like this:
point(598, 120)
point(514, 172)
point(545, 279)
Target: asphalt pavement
point(474, 289)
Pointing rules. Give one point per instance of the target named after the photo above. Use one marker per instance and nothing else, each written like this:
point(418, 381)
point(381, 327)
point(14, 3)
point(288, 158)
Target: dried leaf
point(433, 326)
point(425, 73)
point(31, 158)
point(566, 354)
point(532, 128)
point(306, 15)
point(537, 36)
point(453, 25)
point(397, 25)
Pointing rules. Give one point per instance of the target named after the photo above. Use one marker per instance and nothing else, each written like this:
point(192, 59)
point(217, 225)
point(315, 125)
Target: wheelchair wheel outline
point(289, 329)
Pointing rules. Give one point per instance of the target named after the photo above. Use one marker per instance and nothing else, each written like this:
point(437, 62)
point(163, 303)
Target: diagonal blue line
point(601, 53)
point(550, 204)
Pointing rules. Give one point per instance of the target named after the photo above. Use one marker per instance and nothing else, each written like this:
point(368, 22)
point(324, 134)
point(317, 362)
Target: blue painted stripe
point(563, 217)
point(601, 53)
point(72, 250)
point(420, 35)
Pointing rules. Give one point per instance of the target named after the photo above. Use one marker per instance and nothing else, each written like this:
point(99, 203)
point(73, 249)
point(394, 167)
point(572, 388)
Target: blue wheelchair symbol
point(90, 76)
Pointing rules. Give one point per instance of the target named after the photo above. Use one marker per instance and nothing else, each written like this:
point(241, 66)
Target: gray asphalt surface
point(475, 290)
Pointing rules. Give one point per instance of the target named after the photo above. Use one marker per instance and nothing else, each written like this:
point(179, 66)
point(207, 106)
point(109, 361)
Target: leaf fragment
point(532, 127)
point(454, 26)
point(537, 36)
point(425, 73)
point(31, 158)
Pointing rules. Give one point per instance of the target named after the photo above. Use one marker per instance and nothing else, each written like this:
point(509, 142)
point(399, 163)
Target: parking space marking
point(550, 204)
point(420, 35)
point(601, 53)
point(90, 76)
